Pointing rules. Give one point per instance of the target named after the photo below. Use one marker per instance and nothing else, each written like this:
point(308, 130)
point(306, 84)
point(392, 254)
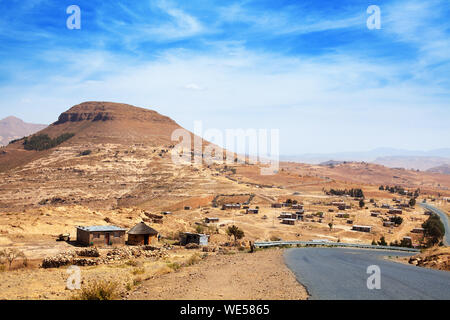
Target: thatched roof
point(142, 228)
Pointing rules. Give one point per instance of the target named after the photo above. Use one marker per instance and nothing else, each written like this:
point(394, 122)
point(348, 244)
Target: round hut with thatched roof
point(141, 234)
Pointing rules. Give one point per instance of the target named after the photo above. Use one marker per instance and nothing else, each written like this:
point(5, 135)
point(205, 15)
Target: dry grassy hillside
point(129, 167)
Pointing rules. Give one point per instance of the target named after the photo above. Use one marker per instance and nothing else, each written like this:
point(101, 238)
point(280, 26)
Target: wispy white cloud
point(290, 20)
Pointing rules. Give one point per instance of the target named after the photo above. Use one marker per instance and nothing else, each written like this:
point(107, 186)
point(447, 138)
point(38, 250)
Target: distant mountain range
point(445, 169)
point(14, 128)
point(389, 157)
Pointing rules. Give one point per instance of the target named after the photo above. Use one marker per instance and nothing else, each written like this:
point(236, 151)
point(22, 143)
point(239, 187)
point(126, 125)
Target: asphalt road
point(341, 274)
point(444, 219)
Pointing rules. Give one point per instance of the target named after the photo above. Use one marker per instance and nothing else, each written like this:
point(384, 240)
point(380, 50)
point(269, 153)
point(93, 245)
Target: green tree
point(397, 220)
point(330, 225)
point(412, 202)
point(382, 241)
point(434, 228)
point(235, 232)
point(361, 203)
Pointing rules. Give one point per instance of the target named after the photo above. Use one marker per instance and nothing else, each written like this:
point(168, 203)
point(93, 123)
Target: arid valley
point(116, 169)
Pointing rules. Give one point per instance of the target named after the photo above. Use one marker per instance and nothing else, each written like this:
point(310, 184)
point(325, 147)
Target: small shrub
point(98, 290)
point(131, 263)
point(174, 265)
point(199, 228)
point(85, 153)
point(137, 281)
point(138, 271)
point(192, 260)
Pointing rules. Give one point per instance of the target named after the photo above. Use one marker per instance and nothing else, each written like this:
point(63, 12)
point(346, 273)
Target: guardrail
point(330, 244)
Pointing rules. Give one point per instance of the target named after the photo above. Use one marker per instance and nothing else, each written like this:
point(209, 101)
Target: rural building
point(197, 238)
point(229, 206)
point(385, 206)
point(297, 206)
point(341, 215)
point(100, 235)
point(418, 230)
point(141, 234)
point(299, 216)
point(276, 205)
point(288, 221)
point(349, 221)
point(374, 214)
point(388, 224)
point(287, 215)
point(395, 211)
point(166, 212)
point(428, 213)
point(446, 199)
point(209, 220)
point(254, 211)
point(187, 208)
point(362, 228)
point(407, 241)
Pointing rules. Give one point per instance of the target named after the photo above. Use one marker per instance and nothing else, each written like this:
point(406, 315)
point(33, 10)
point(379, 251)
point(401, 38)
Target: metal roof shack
point(228, 206)
point(418, 230)
point(395, 211)
point(101, 228)
point(197, 238)
point(362, 228)
point(288, 221)
point(100, 235)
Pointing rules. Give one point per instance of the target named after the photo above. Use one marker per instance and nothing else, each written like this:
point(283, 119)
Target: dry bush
point(138, 271)
point(131, 263)
point(98, 290)
point(195, 258)
point(11, 255)
point(137, 281)
point(174, 265)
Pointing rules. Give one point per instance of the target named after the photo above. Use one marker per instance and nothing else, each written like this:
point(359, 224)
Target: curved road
point(341, 274)
point(444, 219)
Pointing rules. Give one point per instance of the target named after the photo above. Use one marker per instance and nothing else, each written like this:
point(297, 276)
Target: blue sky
point(309, 68)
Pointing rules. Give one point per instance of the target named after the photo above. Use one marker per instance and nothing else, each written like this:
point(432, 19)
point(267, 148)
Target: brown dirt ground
point(261, 275)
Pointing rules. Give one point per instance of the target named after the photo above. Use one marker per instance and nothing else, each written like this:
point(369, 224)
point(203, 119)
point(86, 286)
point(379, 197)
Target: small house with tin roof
point(100, 235)
point(197, 238)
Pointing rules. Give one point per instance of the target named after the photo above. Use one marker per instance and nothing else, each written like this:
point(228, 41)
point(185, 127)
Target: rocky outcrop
point(440, 261)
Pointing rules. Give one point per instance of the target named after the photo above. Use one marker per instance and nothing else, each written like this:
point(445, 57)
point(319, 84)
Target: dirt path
point(261, 275)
